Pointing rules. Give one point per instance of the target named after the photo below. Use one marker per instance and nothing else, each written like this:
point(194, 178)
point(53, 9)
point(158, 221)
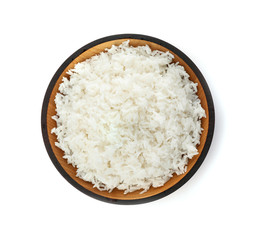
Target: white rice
point(128, 118)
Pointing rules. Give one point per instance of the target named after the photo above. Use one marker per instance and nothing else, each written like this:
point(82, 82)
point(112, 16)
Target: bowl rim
point(201, 79)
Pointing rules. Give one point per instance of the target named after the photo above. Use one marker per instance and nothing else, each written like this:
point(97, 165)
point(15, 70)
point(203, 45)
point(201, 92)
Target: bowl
point(118, 196)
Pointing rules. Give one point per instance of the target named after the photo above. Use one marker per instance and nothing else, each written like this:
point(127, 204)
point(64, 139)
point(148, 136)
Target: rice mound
point(128, 118)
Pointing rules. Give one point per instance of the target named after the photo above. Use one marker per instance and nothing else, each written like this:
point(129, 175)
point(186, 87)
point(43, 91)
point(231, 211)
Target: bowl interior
point(71, 171)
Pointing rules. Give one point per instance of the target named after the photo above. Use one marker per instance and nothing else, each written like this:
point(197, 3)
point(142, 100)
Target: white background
point(219, 202)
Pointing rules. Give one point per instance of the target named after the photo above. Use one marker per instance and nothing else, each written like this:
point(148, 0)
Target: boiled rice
point(128, 118)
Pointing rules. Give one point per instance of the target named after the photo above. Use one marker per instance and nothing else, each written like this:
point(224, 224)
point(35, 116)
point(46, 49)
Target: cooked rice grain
point(128, 118)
